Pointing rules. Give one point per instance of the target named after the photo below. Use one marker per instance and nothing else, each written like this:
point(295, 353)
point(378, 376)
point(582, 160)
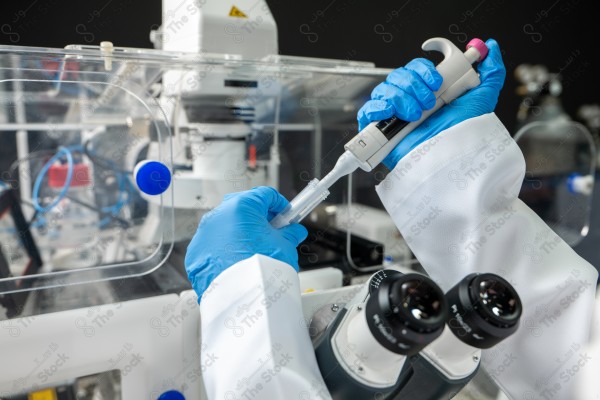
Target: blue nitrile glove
point(408, 91)
point(238, 229)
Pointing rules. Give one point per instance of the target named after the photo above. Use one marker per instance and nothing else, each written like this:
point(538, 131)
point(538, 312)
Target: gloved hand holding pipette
point(400, 96)
point(409, 96)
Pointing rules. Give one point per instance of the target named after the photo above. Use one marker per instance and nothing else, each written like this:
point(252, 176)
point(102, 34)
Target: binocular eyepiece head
point(406, 312)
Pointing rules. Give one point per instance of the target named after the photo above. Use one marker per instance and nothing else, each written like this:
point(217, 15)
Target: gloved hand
point(408, 91)
point(238, 229)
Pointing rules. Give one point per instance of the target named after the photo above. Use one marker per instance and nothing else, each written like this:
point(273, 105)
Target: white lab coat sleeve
point(587, 385)
point(455, 200)
point(255, 344)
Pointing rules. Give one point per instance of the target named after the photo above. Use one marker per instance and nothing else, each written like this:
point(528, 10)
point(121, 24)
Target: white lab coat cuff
point(255, 343)
point(245, 278)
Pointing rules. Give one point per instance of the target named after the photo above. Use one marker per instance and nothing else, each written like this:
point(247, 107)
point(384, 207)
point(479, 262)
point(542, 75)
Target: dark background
point(560, 34)
point(388, 33)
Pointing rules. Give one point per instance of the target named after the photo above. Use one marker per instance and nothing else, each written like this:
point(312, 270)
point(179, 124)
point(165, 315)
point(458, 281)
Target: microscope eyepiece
point(484, 310)
point(499, 302)
point(405, 312)
point(418, 303)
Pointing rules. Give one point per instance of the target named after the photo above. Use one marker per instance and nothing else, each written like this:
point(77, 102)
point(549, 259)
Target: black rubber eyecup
point(406, 312)
point(484, 310)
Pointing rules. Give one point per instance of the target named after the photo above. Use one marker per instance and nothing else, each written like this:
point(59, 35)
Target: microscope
point(401, 337)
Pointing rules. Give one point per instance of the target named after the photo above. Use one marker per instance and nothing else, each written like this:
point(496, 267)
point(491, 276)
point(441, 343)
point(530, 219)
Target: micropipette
point(372, 144)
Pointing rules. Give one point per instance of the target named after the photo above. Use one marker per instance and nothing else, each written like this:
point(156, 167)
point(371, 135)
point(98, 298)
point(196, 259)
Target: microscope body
point(367, 348)
point(439, 371)
point(427, 375)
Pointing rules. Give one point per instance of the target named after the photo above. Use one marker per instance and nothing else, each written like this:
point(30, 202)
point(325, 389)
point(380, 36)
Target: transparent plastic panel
point(298, 114)
point(73, 128)
point(350, 229)
point(560, 161)
point(78, 121)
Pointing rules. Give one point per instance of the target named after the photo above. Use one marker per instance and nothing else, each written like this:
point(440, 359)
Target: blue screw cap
point(571, 182)
point(171, 395)
point(152, 177)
